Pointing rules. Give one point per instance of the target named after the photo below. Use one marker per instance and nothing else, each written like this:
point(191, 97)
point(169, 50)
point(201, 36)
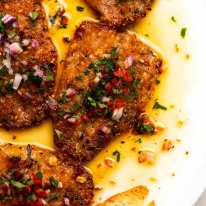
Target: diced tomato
point(125, 90)
point(18, 175)
point(36, 180)
point(38, 202)
point(124, 74)
point(109, 87)
point(119, 72)
point(64, 20)
point(127, 77)
point(84, 117)
point(91, 84)
point(116, 82)
point(27, 189)
point(40, 193)
point(119, 103)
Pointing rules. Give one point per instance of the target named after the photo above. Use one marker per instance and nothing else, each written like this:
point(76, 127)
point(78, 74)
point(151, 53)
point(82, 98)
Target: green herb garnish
point(117, 155)
point(157, 105)
point(173, 19)
point(183, 32)
point(33, 16)
point(54, 183)
point(80, 8)
point(17, 184)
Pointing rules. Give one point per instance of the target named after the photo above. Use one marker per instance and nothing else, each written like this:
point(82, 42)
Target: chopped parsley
point(158, 81)
point(138, 141)
point(33, 15)
point(80, 8)
point(39, 175)
point(117, 155)
point(54, 183)
point(3, 71)
point(145, 129)
point(17, 184)
point(50, 76)
point(173, 19)
point(2, 25)
point(52, 19)
point(157, 105)
point(52, 196)
point(62, 99)
point(75, 107)
point(183, 32)
point(35, 79)
point(114, 52)
point(108, 63)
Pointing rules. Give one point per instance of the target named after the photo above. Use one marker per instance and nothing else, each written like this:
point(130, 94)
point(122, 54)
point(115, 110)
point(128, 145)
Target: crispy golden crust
point(25, 106)
point(132, 197)
point(82, 137)
point(79, 193)
point(118, 13)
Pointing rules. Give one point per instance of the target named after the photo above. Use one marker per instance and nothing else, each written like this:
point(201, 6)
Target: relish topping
point(107, 94)
point(15, 71)
point(25, 184)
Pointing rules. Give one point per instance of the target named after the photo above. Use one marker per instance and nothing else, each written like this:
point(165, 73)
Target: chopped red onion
point(72, 120)
point(25, 77)
point(70, 92)
point(105, 99)
point(17, 81)
point(98, 77)
point(129, 61)
point(117, 114)
point(60, 185)
point(15, 25)
point(15, 48)
point(38, 72)
point(8, 19)
point(24, 63)
point(66, 201)
point(26, 42)
point(52, 103)
point(34, 43)
point(43, 201)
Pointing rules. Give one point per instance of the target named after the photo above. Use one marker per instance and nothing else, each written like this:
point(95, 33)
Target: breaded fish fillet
point(118, 13)
point(28, 61)
point(33, 176)
point(107, 82)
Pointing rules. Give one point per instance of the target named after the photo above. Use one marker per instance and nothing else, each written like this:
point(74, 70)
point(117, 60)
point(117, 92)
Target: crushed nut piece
point(109, 162)
point(98, 187)
point(159, 127)
point(146, 156)
point(167, 145)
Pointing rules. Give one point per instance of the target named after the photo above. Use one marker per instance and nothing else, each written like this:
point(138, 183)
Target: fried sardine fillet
point(118, 13)
point(107, 81)
point(33, 176)
point(28, 61)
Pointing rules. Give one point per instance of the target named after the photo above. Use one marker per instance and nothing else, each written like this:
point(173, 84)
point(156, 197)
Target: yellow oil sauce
point(156, 29)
